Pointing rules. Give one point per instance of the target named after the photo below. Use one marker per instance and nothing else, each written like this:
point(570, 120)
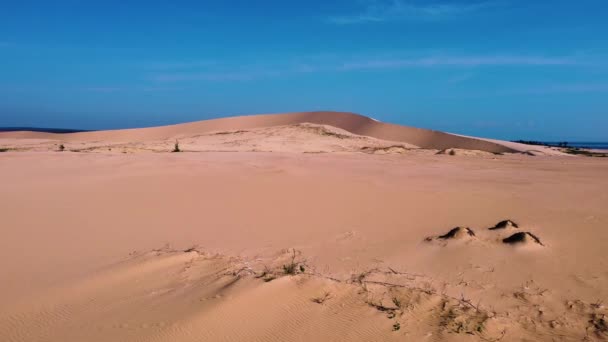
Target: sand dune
point(353, 123)
point(296, 138)
point(370, 238)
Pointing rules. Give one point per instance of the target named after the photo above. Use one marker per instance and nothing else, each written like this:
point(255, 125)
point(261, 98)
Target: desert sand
point(299, 227)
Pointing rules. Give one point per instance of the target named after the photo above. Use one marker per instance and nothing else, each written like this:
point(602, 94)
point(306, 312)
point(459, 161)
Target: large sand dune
point(267, 243)
point(353, 123)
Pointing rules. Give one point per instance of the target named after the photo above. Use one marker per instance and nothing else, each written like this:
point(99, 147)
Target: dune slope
point(353, 123)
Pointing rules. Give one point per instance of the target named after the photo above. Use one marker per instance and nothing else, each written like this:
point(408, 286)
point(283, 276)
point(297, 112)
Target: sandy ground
point(356, 243)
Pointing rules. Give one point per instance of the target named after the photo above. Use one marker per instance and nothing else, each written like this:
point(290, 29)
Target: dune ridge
point(353, 123)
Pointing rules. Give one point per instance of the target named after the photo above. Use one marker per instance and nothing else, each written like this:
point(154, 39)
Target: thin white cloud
point(178, 65)
point(568, 88)
point(122, 89)
point(467, 62)
point(245, 75)
point(459, 61)
point(395, 10)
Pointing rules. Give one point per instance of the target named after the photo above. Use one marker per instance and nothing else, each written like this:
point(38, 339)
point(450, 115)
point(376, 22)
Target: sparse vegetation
point(565, 147)
point(463, 317)
point(289, 269)
point(322, 299)
point(599, 324)
point(447, 151)
point(397, 303)
point(401, 296)
point(384, 149)
point(229, 132)
point(269, 277)
point(584, 152)
point(294, 267)
point(324, 131)
point(4, 149)
point(266, 275)
point(61, 148)
point(176, 147)
point(540, 143)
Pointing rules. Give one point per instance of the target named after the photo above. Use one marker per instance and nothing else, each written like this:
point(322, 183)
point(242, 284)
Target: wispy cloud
point(549, 88)
point(178, 65)
point(460, 61)
point(242, 75)
point(393, 10)
point(122, 89)
point(568, 88)
point(224, 73)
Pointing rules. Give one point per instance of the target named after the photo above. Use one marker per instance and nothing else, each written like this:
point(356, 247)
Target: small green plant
point(452, 153)
point(176, 147)
point(61, 148)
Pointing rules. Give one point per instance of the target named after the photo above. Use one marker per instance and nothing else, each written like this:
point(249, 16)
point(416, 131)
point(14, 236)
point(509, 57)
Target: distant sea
point(44, 130)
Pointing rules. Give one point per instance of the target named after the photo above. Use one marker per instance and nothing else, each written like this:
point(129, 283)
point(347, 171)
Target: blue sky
point(497, 68)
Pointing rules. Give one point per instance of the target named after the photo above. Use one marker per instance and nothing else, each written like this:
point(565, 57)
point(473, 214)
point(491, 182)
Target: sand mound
point(353, 123)
point(522, 238)
point(506, 224)
point(457, 233)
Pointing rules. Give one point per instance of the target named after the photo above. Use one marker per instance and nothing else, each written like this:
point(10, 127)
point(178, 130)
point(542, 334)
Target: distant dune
point(353, 123)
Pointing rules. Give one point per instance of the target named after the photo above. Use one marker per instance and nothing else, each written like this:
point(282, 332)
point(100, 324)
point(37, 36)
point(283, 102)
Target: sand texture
point(301, 227)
